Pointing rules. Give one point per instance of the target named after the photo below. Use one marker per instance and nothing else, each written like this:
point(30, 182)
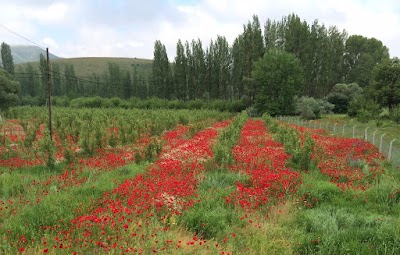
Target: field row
point(211, 184)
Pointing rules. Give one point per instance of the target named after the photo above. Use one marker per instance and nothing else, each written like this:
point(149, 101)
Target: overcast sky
point(129, 28)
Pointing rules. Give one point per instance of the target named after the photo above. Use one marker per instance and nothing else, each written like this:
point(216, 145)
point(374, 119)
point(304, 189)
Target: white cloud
point(50, 43)
point(54, 13)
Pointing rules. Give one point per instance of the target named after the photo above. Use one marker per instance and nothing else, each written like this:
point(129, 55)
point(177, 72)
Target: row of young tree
point(114, 82)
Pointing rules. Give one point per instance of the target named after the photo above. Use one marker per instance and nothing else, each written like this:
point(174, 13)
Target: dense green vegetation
point(222, 71)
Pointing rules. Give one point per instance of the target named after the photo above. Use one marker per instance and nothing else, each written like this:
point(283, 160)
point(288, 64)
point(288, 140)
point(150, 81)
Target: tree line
point(114, 82)
point(326, 56)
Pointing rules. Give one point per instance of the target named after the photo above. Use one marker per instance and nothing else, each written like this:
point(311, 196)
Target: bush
point(60, 101)
point(341, 95)
point(311, 108)
point(88, 102)
point(395, 114)
point(369, 112)
point(33, 101)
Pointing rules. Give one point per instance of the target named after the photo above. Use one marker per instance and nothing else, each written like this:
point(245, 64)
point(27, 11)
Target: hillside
point(98, 65)
point(26, 53)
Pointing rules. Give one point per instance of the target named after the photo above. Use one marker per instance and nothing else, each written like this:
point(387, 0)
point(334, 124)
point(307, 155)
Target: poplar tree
point(7, 58)
point(180, 72)
point(162, 73)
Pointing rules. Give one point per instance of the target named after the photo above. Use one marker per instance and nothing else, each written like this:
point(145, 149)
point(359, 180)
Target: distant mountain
point(24, 53)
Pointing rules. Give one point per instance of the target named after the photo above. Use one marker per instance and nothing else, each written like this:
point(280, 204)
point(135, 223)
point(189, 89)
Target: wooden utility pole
point(49, 94)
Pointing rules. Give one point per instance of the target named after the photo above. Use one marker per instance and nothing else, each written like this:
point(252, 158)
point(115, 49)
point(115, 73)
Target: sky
point(129, 28)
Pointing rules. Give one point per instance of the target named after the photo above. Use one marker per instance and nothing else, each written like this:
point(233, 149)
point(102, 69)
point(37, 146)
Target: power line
point(21, 36)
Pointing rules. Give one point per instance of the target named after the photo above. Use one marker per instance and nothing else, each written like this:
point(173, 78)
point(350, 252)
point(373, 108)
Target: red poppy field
point(190, 182)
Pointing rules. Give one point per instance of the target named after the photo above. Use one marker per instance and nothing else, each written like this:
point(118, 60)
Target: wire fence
point(388, 147)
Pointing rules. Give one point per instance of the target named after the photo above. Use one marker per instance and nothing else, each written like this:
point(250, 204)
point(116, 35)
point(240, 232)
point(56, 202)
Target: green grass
point(58, 206)
point(390, 128)
point(348, 222)
point(212, 217)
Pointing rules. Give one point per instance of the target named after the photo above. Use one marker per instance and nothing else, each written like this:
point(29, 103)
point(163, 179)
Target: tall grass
point(56, 207)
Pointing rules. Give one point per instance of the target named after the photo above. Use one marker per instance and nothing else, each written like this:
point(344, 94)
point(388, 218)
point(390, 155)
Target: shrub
point(395, 114)
point(311, 108)
point(341, 95)
point(363, 109)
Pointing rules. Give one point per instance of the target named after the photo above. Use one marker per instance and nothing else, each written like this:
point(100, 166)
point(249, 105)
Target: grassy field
point(87, 66)
point(391, 129)
point(343, 125)
point(197, 182)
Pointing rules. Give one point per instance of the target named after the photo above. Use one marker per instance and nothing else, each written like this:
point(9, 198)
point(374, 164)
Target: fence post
point(366, 134)
point(373, 137)
point(380, 144)
point(334, 128)
point(343, 130)
point(309, 123)
point(390, 149)
point(354, 130)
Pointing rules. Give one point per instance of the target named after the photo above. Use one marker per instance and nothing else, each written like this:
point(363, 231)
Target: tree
point(180, 71)
point(237, 66)
point(71, 81)
point(8, 90)
point(279, 78)
point(7, 59)
point(43, 71)
point(56, 75)
point(33, 81)
point(162, 74)
point(247, 48)
point(219, 67)
point(190, 73)
point(127, 85)
point(199, 67)
point(361, 56)
point(115, 82)
point(386, 83)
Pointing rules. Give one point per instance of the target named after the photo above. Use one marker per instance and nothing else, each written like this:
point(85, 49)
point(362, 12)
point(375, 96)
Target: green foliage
point(7, 59)
point(386, 193)
point(364, 109)
point(137, 103)
point(56, 208)
point(311, 108)
point(8, 91)
point(279, 79)
point(212, 217)
point(320, 50)
point(362, 55)
point(227, 140)
point(290, 138)
point(332, 230)
point(342, 94)
point(180, 71)
point(162, 75)
point(386, 83)
point(336, 221)
point(395, 114)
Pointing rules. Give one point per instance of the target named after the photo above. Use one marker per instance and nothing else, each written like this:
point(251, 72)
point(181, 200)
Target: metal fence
point(388, 147)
